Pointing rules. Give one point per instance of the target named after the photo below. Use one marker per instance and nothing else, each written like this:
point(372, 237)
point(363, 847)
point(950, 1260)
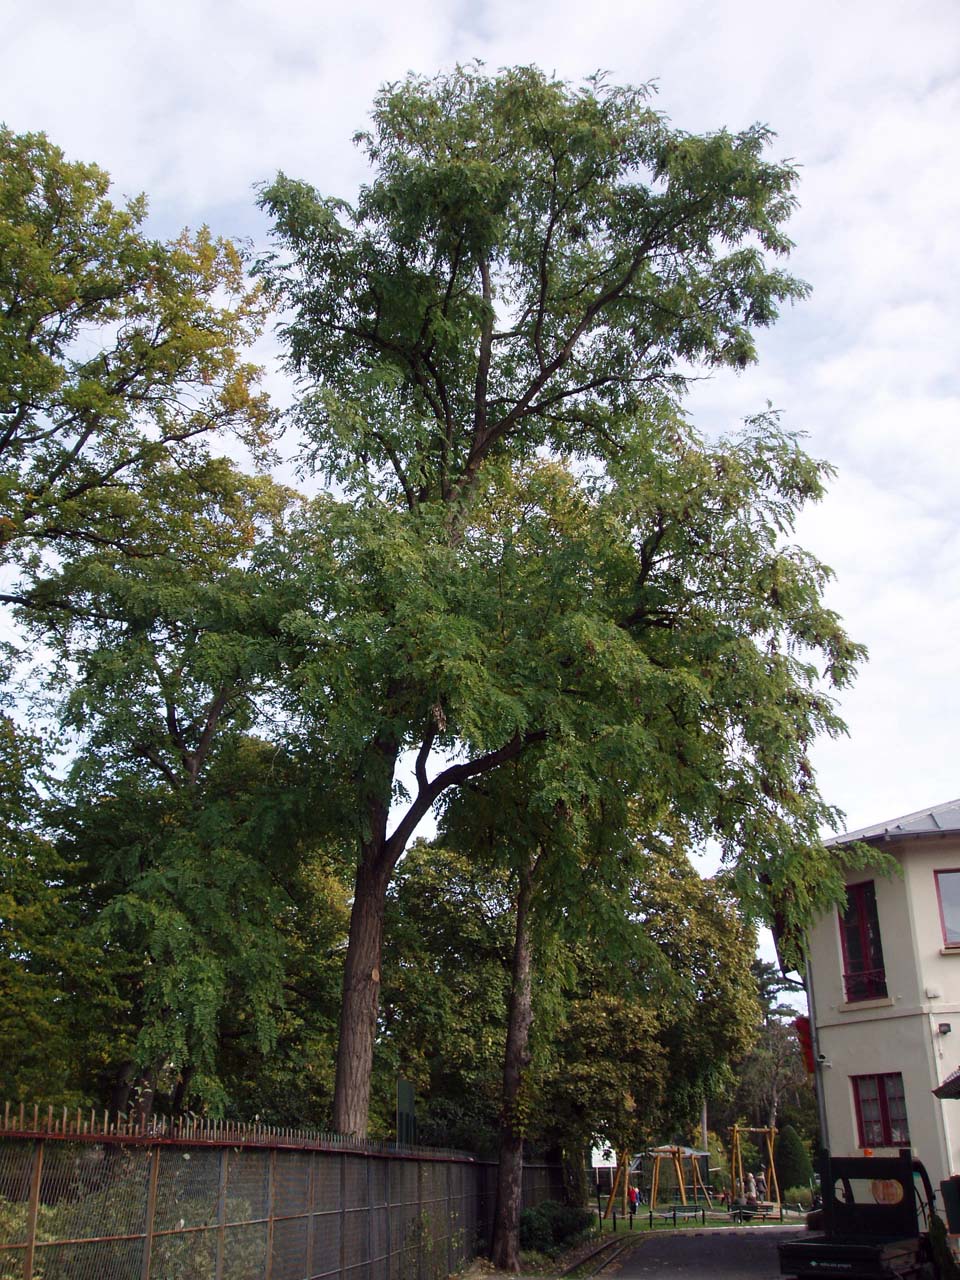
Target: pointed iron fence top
point(34, 1120)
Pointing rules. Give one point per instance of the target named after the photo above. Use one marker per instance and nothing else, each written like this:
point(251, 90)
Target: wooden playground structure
point(738, 1184)
point(676, 1158)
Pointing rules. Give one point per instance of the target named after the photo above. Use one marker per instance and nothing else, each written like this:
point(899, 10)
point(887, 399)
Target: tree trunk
point(178, 1098)
point(121, 1087)
point(506, 1222)
point(773, 1111)
point(144, 1096)
point(576, 1187)
point(361, 995)
point(378, 857)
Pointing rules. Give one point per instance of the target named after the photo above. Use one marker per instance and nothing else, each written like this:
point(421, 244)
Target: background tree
point(193, 845)
point(699, 929)
point(449, 929)
point(771, 1081)
point(192, 895)
point(117, 355)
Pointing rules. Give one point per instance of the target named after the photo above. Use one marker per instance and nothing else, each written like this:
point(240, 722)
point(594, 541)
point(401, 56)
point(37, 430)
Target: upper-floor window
point(863, 973)
point(948, 893)
point(881, 1110)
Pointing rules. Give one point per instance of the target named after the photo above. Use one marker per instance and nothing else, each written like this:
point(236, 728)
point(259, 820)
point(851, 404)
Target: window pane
point(864, 975)
point(882, 1110)
point(948, 886)
point(853, 934)
point(896, 1109)
point(868, 1096)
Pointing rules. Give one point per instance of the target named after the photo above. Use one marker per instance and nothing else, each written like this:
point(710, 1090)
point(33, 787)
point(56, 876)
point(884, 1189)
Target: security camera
point(823, 1060)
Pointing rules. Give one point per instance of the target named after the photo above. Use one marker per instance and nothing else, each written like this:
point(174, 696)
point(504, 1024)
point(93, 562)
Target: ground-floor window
point(881, 1110)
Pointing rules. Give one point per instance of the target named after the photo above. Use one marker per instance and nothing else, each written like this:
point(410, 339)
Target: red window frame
point(864, 978)
point(889, 1090)
point(946, 871)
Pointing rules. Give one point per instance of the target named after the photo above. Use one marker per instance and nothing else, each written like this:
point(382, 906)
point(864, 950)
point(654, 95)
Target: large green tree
point(120, 357)
point(536, 269)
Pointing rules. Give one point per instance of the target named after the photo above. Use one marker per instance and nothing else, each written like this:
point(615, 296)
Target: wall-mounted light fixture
point(944, 1028)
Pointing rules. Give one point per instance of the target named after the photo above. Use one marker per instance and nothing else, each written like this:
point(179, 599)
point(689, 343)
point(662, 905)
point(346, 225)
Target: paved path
point(748, 1253)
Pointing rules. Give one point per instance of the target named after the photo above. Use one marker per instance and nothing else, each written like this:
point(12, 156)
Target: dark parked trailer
point(876, 1211)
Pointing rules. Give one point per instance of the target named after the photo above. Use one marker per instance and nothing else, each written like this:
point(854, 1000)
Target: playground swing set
point(676, 1156)
point(738, 1184)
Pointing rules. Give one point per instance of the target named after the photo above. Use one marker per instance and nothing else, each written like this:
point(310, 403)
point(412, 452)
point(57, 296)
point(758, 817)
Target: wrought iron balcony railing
point(868, 984)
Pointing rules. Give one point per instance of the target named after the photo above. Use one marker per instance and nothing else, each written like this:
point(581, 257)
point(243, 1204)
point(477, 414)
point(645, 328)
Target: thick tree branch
point(214, 714)
point(483, 359)
point(423, 754)
point(398, 470)
point(521, 408)
point(153, 757)
point(453, 776)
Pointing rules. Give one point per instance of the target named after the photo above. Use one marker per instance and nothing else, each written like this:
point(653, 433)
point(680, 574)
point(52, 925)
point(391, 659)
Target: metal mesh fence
point(117, 1207)
point(541, 1182)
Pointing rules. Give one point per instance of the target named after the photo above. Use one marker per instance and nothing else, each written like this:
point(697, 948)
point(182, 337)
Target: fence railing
point(37, 1121)
point(211, 1201)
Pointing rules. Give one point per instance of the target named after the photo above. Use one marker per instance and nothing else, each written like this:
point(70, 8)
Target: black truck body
point(875, 1215)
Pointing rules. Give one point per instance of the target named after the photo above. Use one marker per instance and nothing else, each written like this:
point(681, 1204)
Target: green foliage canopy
point(118, 353)
point(527, 269)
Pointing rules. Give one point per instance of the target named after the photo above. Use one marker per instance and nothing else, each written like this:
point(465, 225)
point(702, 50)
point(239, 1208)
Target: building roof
point(939, 820)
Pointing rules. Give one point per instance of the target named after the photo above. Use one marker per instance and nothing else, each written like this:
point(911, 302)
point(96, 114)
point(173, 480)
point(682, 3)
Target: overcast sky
point(194, 101)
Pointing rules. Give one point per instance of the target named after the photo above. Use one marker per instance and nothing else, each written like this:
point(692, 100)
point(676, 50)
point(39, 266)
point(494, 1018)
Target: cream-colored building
point(884, 987)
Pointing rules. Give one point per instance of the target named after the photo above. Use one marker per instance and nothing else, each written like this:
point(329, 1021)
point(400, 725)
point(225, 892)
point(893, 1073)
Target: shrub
point(552, 1226)
point(536, 1233)
point(791, 1159)
point(801, 1196)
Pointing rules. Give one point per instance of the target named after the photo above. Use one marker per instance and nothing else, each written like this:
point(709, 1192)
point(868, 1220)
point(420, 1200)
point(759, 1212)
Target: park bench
point(679, 1213)
point(764, 1210)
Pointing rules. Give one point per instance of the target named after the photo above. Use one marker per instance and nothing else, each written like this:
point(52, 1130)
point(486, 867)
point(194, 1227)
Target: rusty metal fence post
point(343, 1213)
point(271, 1207)
point(151, 1214)
point(32, 1209)
point(311, 1210)
point(221, 1212)
point(420, 1231)
point(451, 1220)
